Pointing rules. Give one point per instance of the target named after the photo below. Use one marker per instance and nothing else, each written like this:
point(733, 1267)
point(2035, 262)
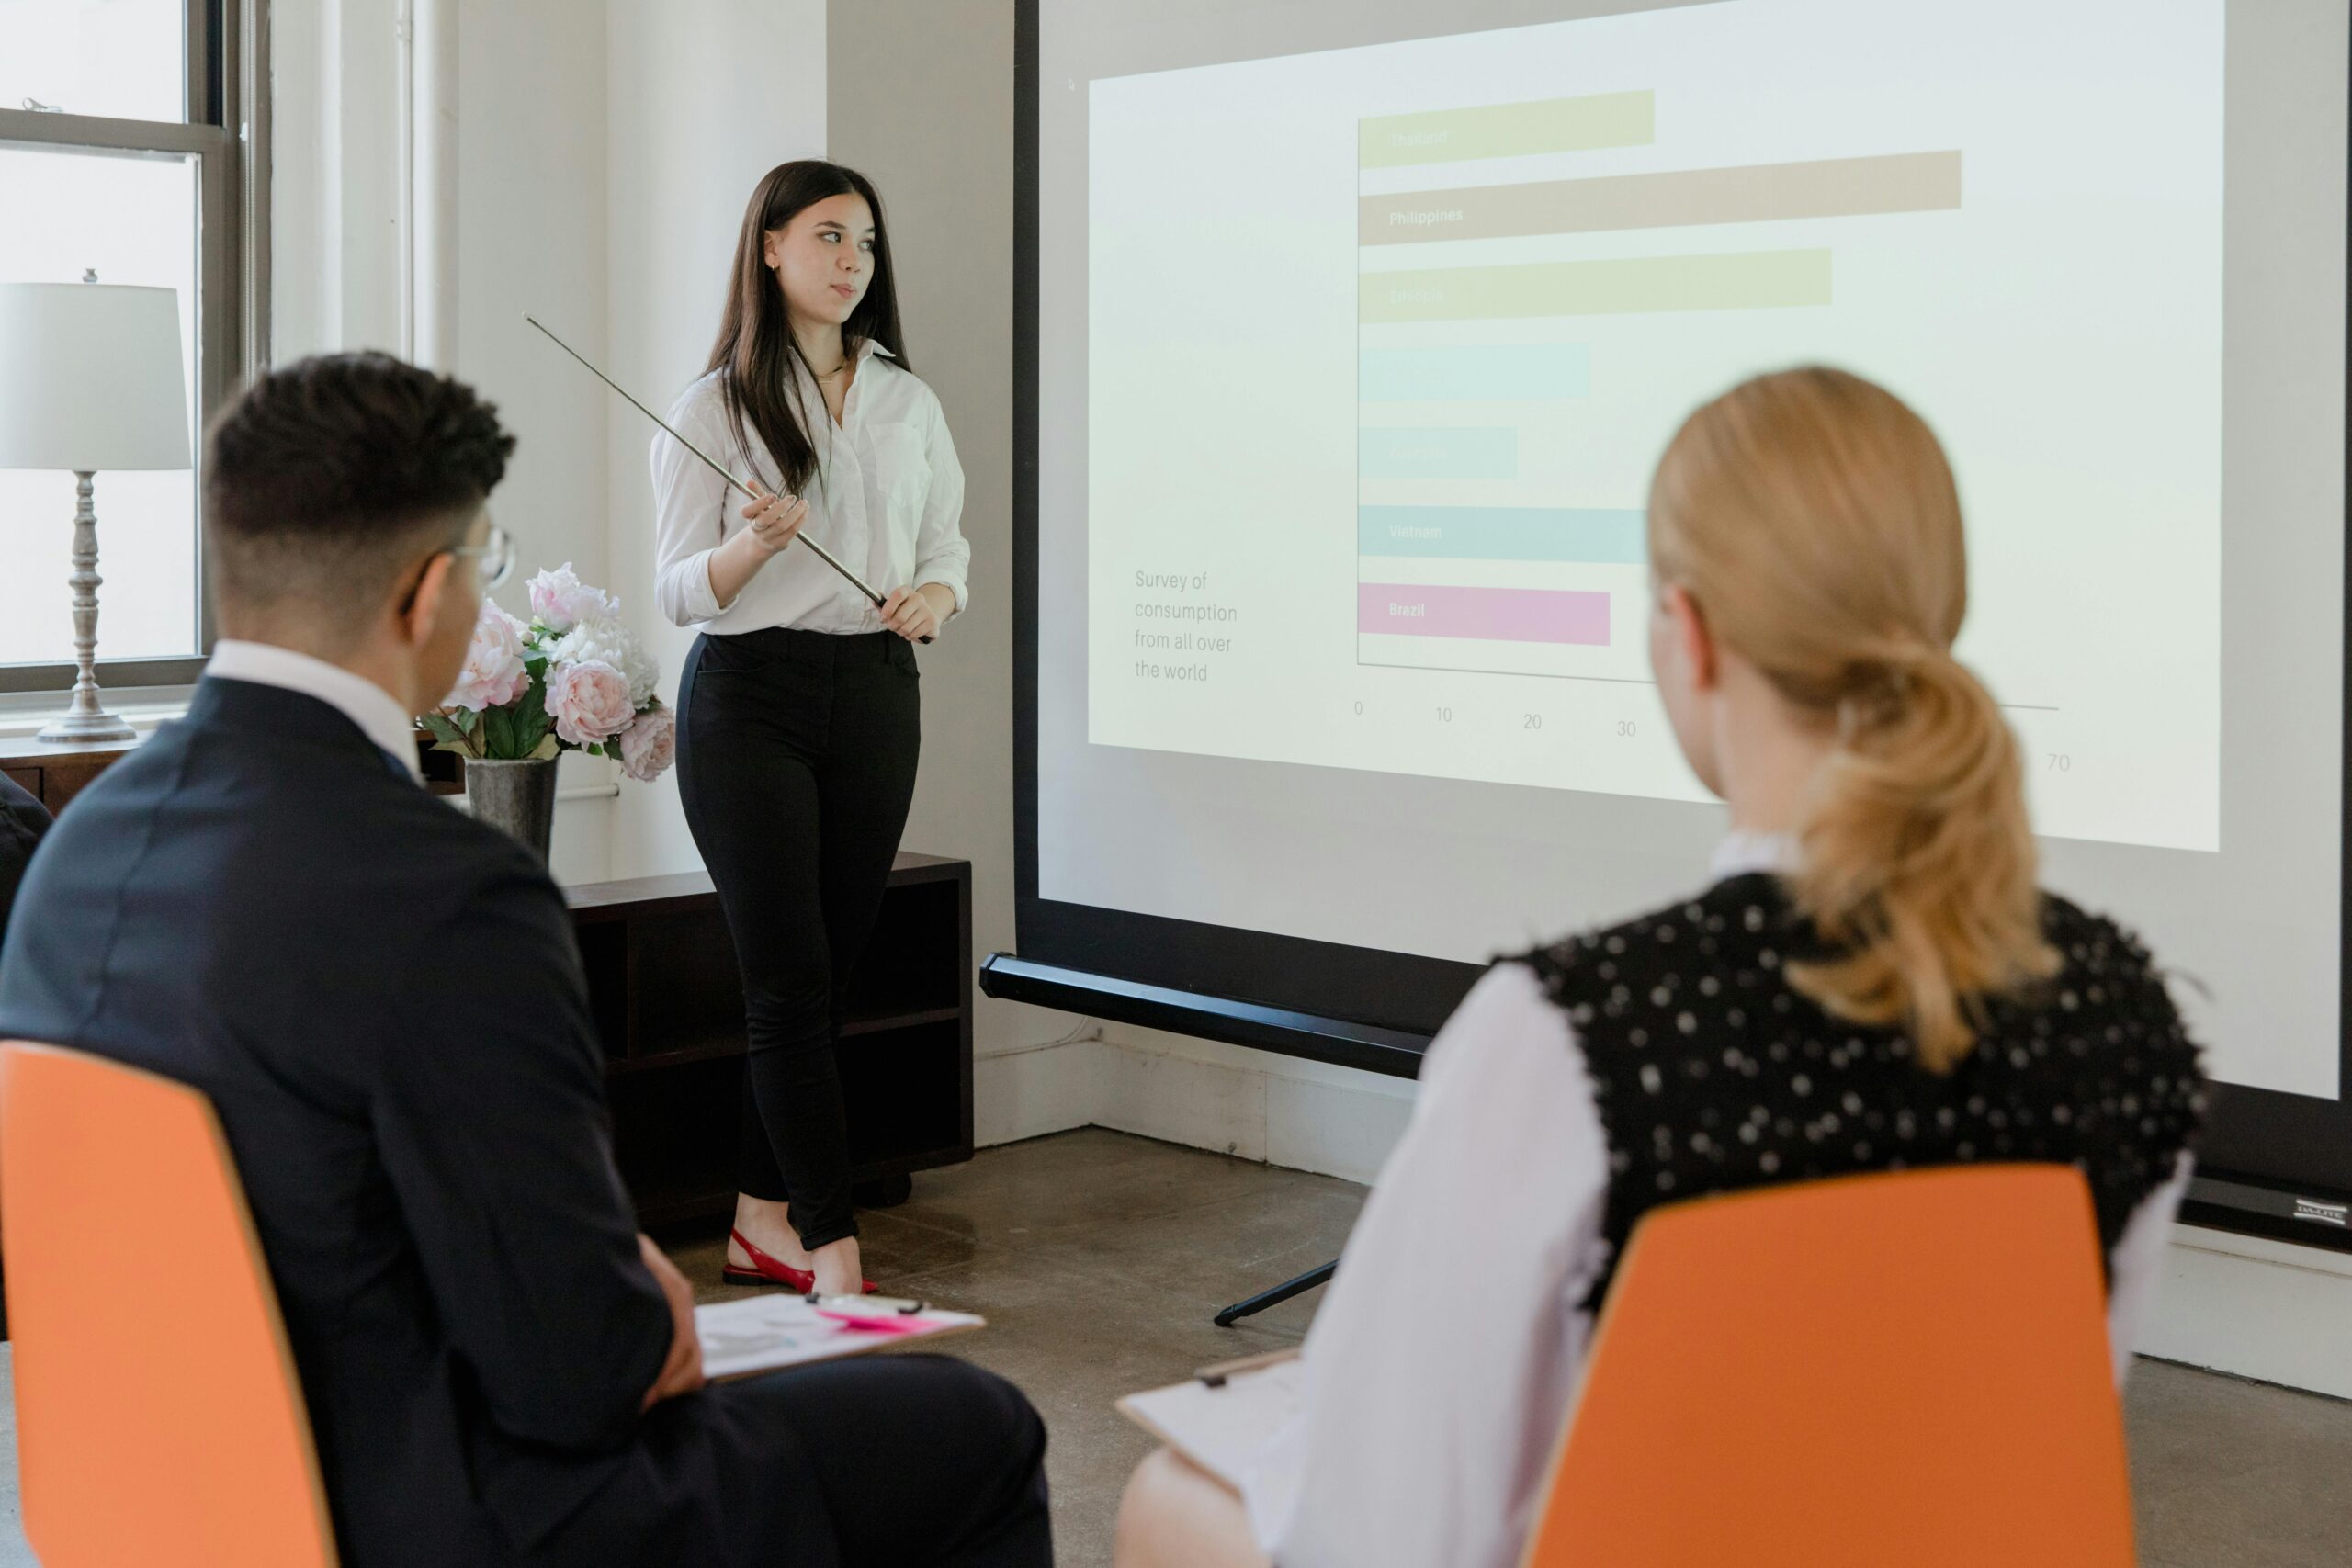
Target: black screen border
point(2274, 1141)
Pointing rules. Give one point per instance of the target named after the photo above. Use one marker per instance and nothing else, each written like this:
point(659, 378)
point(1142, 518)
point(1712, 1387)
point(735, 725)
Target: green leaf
point(548, 746)
point(452, 734)
point(498, 735)
point(529, 725)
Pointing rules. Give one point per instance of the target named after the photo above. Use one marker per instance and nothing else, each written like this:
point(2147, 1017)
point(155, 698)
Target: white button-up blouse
point(1445, 1354)
point(889, 508)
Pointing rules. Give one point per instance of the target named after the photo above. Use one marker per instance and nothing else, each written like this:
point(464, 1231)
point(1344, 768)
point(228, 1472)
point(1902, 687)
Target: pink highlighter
point(871, 1315)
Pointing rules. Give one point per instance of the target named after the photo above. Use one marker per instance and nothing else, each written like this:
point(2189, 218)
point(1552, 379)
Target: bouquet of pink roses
point(571, 678)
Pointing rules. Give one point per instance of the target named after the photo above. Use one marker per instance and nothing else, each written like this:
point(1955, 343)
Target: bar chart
point(1379, 347)
point(1480, 547)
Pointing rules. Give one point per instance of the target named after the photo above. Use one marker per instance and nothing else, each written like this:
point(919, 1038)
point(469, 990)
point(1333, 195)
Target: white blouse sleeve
point(2138, 1262)
point(689, 513)
point(942, 554)
point(1441, 1361)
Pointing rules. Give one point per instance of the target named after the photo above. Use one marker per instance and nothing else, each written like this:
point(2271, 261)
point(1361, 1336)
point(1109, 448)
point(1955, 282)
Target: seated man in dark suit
point(385, 1002)
point(23, 820)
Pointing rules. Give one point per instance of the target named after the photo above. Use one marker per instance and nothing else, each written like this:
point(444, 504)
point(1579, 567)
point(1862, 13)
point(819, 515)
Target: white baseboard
point(2238, 1304)
point(1303, 1115)
point(2259, 1308)
point(1031, 1092)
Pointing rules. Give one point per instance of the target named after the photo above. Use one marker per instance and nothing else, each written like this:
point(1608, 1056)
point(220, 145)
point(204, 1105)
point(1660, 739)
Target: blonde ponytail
point(1812, 517)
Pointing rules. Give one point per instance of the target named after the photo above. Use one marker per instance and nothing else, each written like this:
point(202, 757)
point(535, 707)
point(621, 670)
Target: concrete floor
point(1152, 1238)
point(1148, 1239)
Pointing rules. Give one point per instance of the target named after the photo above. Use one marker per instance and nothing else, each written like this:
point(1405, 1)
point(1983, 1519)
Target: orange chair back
point(158, 1415)
point(1902, 1369)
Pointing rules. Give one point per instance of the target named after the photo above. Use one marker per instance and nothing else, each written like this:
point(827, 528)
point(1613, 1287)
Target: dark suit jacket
point(23, 820)
point(384, 1000)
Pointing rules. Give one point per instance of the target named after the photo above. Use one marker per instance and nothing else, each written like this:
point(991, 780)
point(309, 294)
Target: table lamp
point(90, 378)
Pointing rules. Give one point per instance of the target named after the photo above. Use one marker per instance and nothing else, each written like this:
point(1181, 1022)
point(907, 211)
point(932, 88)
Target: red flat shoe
point(766, 1271)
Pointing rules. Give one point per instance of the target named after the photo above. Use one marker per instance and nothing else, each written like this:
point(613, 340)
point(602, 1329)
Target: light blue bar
point(1595, 535)
point(1470, 373)
point(1464, 452)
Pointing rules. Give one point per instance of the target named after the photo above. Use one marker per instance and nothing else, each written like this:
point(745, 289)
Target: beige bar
point(1759, 193)
point(1503, 130)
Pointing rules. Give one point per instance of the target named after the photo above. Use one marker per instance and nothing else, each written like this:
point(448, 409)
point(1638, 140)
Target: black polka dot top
point(1713, 1074)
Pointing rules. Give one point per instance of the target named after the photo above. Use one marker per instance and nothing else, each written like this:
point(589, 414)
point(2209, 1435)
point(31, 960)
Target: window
point(132, 148)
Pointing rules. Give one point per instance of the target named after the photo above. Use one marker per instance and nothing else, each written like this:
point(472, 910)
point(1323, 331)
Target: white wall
point(705, 96)
point(604, 155)
point(530, 232)
point(335, 197)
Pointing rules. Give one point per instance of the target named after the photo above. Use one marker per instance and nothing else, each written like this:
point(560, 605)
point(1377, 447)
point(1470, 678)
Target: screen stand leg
point(1276, 1296)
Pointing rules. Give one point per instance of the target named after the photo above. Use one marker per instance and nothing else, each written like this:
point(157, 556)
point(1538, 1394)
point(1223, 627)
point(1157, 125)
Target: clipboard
point(766, 1332)
point(1222, 1416)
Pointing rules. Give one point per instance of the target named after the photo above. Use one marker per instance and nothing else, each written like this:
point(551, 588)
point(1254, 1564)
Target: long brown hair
point(755, 345)
point(1812, 517)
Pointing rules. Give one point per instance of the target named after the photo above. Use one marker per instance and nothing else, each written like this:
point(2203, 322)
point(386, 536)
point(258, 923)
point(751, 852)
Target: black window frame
point(226, 131)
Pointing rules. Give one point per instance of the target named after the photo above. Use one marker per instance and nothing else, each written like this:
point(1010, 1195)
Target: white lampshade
point(90, 377)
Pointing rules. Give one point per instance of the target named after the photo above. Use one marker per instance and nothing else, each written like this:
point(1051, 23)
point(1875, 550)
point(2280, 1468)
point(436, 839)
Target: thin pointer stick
point(716, 467)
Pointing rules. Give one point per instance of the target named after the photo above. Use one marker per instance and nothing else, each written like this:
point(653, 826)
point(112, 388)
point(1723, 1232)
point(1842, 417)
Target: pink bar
point(1492, 615)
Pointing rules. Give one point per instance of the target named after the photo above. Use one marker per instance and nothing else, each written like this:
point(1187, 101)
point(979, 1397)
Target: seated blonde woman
point(1872, 982)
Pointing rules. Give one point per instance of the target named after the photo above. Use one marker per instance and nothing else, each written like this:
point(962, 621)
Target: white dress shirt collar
point(1742, 852)
point(375, 710)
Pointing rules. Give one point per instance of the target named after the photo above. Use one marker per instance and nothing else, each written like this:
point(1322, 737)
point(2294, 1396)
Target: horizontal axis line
point(1599, 679)
point(1537, 674)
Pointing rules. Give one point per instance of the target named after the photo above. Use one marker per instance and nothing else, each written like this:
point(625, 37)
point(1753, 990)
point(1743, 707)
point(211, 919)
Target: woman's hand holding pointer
point(773, 521)
point(915, 614)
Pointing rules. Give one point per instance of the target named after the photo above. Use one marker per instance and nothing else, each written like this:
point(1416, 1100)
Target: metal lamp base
point(85, 720)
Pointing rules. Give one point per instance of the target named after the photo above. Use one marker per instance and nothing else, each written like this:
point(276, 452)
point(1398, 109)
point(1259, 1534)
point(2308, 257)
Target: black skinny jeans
point(796, 764)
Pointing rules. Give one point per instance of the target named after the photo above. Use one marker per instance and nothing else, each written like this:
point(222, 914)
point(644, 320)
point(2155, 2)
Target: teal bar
point(1474, 374)
point(1592, 535)
point(1464, 452)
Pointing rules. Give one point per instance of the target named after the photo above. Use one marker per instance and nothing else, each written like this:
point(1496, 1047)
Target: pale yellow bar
point(1626, 285)
point(1503, 130)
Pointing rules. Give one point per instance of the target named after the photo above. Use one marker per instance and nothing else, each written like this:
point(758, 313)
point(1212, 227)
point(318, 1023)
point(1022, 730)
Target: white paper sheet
point(759, 1334)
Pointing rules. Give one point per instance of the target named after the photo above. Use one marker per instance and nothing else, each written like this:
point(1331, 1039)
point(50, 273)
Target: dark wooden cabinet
point(669, 1006)
point(54, 774)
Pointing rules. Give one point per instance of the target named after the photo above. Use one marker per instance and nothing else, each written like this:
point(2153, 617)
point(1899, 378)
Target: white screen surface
point(1355, 359)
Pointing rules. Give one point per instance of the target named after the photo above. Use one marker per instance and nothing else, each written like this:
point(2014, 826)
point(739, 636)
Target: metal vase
point(518, 799)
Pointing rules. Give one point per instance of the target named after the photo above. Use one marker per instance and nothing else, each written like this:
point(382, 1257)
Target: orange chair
point(1904, 1370)
point(158, 1415)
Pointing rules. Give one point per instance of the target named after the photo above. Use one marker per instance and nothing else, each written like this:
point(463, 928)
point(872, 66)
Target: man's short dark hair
point(328, 476)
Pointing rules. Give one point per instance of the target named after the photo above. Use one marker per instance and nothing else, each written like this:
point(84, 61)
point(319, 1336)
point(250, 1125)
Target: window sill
point(23, 713)
point(143, 707)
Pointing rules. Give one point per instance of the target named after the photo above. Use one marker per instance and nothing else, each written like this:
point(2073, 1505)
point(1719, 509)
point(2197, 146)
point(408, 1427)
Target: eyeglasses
point(497, 553)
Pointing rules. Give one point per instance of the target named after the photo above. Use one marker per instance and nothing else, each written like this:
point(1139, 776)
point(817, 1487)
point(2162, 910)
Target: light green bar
point(1631, 286)
point(1503, 131)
